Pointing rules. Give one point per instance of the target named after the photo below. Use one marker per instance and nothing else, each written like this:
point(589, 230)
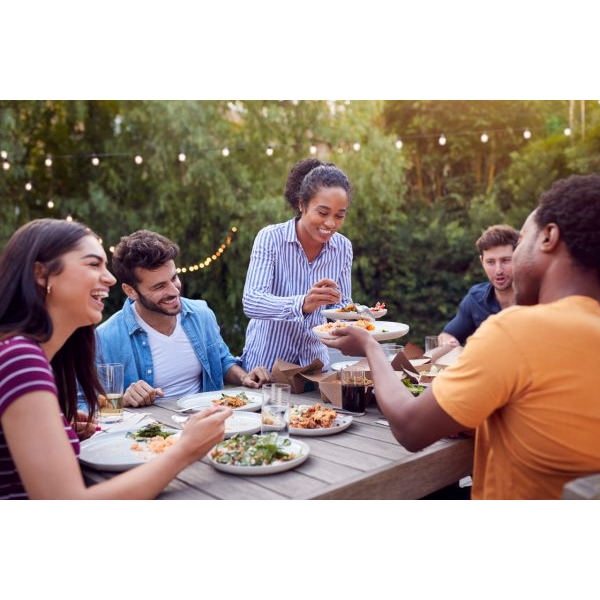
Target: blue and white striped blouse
point(278, 279)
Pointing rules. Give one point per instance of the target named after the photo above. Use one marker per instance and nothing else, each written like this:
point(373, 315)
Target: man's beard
point(157, 308)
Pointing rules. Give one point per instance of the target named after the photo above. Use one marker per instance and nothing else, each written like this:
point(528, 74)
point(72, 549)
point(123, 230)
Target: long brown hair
point(23, 309)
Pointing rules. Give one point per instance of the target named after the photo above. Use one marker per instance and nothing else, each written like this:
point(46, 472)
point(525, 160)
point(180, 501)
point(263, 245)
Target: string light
point(50, 204)
point(399, 144)
point(225, 152)
point(356, 147)
point(48, 161)
point(182, 157)
point(527, 134)
point(95, 161)
point(138, 159)
point(3, 154)
point(69, 218)
point(269, 151)
point(567, 131)
point(6, 165)
point(313, 150)
point(442, 140)
point(29, 186)
point(112, 249)
point(484, 138)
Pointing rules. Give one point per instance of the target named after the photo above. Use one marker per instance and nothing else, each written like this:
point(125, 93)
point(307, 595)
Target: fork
point(361, 309)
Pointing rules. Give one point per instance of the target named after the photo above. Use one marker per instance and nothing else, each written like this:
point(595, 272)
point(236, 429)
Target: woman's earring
point(48, 289)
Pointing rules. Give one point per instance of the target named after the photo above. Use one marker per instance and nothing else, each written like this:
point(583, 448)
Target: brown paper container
point(301, 379)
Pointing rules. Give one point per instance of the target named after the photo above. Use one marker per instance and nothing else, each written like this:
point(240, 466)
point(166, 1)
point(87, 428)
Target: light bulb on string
point(95, 161)
point(3, 154)
point(269, 151)
point(313, 149)
point(484, 138)
point(399, 144)
point(356, 147)
point(184, 270)
point(50, 204)
point(69, 218)
point(567, 131)
point(527, 134)
point(182, 157)
point(225, 152)
point(442, 140)
point(28, 186)
point(112, 249)
point(48, 161)
point(6, 165)
point(178, 270)
point(138, 159)
point(234, 229)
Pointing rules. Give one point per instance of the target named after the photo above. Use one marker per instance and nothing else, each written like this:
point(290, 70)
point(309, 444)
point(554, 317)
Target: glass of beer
point(110, 404)
point(354, 391)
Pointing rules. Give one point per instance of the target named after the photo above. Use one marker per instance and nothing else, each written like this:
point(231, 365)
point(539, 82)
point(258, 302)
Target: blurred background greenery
point(418, 205)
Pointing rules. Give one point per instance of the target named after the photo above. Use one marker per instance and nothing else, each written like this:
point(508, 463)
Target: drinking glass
point(390, 350)
point(431, 342)
point(354, 391)
point(275, 409)
point(110, 404)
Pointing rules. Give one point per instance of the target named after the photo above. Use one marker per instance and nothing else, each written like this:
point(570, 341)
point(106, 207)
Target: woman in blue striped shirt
point(297, 268)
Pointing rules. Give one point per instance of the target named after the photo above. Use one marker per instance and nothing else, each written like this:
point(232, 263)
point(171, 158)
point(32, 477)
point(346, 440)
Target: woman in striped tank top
point(53, 277)
point(298, 268)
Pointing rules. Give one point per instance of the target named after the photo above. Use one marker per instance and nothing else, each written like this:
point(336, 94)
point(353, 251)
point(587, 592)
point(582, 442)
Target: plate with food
point(350, 312)
point(317, 420)
point(234, 399)
point(380, 330)
point(258, 454)
point(125, 450)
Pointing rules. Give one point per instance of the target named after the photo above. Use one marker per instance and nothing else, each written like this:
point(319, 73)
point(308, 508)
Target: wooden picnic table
point(362, 462)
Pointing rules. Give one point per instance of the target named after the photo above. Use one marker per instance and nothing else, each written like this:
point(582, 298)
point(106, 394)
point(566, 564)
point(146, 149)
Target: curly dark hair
point(574, 205)
point(497, 235)
point(144, 249)
point(308, 176)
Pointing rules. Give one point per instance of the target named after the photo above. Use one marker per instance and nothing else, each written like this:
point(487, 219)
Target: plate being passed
point(300, 450)
point(113, 451)
point(338, 366)
point(334, 313)
point(198, 402)
point(384, 330)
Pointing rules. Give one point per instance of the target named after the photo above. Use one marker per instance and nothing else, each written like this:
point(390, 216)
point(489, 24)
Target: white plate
point(338, 366)
point(384, 330)
point(341, 423)
point(200, 401)
point(112, 451)
point(332, 313)
point(242, 423)
point(300, 448)
point(417, 362)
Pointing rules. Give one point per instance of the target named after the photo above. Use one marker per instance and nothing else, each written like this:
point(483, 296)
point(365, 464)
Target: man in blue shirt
point(495, 246)
point(169, 346)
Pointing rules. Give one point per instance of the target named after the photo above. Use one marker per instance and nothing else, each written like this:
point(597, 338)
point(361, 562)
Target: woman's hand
point(321, 293)
point(83, 428)
point(351, 341)
point(203, 430)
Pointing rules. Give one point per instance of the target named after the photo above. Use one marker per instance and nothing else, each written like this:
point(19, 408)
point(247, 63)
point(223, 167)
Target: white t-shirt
point(177, 369)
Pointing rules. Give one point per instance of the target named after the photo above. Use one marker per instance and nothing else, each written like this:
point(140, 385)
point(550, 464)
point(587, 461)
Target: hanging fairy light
point(399, 144)
point(95, 161)
point(269, 151)
point(567, 131)
point(50, 204)
point(6, 165)
point(112, 249)
point(138, 160)
point(356, 147)
point(181, 157)
point(48, 161)
point(225, 152)
point(3, 154)
point(442, 140)
point(28, 186)
point(69, 218)
point(484, 138)
point(527, 134)
point(313, 150)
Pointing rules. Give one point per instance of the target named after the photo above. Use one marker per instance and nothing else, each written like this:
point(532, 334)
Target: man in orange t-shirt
point(528, 379)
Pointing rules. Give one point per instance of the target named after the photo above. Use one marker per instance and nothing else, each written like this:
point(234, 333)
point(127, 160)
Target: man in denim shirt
point(170, 346)
point(496, 246)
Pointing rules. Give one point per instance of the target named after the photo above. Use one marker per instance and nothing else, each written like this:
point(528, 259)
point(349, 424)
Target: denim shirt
point(122, 340)
point(479, 303)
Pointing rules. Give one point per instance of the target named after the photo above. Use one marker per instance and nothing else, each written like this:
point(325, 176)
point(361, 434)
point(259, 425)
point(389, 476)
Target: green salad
point(149, 431)
point(252, 450)
point(413, 388)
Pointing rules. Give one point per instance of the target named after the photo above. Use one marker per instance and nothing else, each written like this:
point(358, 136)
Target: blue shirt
point(479, 303)
point(122, 340)
point(278, 279)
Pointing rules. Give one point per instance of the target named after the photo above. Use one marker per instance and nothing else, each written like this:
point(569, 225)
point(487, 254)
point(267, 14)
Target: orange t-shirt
point(529, 381)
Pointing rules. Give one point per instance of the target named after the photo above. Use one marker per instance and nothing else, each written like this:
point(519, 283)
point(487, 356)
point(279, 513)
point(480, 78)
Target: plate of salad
point(235, 399)
point(258, 454)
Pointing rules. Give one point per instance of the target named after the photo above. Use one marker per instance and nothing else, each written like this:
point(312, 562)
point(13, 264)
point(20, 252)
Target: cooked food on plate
point(329, 327)
point(149, 431)
point(233, 401)
point(414, 389)
point(153, 437)
point(305, 416)
point(352, 307)
point(253, 450)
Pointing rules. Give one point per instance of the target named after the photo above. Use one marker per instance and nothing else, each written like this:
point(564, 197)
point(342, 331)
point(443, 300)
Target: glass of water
point(390, 350)
point(275, 409)
point(431, 342)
